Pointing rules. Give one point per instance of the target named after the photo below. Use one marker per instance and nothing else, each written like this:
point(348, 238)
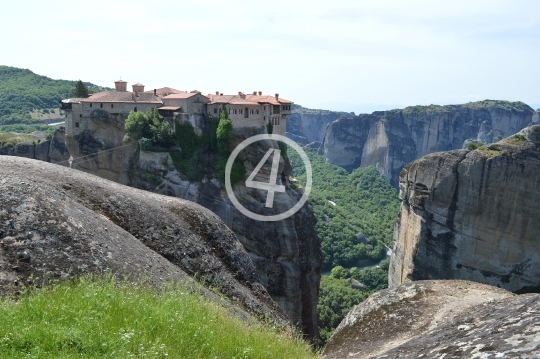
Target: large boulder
point(57, 223)
point(440, 319)
point(472, 215)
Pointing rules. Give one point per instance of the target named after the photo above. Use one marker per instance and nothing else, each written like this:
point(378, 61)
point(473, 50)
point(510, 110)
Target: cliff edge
point(472, 215)
point(440, 319)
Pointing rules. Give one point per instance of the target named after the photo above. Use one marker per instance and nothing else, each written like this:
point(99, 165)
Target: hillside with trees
point(24, 96)
point(356, 213)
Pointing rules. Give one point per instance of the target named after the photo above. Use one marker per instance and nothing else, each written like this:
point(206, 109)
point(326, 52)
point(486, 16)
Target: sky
point(355, 56)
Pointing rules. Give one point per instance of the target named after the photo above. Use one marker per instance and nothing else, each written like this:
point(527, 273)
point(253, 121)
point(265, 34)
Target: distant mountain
point(22, 91)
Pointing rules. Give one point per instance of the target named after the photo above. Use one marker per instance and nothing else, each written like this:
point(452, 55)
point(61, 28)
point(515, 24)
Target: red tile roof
point(170, 108)
point(116, 96)
point(181, 95)
point(164, 91)
point(248, 100)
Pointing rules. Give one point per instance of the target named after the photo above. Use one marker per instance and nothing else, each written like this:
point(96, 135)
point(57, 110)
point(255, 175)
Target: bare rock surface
point(56, 223)
point(472, 215)
point(440, 319)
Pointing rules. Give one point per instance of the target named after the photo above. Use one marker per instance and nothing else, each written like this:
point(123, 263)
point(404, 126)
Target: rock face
point(99, 148)
point(53, 150)
point(57, 222)
point(440, 319)
point(391, 139)
point(286, 253)
point(305, 125)
point(472, 215)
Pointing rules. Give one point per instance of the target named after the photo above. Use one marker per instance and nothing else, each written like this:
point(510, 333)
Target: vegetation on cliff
point(508, 105)
point(91, 318)
point(22, 91)
point(355, 211)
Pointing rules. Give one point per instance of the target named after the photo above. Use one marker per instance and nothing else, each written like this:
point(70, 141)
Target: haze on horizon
point(343, 55)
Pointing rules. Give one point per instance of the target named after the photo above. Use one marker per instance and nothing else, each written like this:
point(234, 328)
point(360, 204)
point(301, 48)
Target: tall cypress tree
point(80, 90)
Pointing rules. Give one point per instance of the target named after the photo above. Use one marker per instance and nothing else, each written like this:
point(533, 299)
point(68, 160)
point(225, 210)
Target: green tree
point(80, 90)
point(136, 124)
point(223, 134)
point(269, 128)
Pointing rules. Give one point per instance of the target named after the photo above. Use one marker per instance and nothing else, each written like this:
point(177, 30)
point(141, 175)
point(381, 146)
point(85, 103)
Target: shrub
point(474, 145)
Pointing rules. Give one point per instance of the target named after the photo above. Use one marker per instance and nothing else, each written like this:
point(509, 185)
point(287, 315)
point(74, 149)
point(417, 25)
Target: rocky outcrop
point(99, 149)
point(440, 319)
point(306, 125)
point(391, 139)
point(472, 215)
point(286, 253)
point(57, 223)
point(53, 150)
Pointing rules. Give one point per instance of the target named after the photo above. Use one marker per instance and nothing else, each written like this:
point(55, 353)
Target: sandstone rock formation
point(472, 215)
point(53, 150)
point(57, 222)
point(391, 139)
point(99, 148)
point(286, 253)
point(440, 319)
point(305, 125)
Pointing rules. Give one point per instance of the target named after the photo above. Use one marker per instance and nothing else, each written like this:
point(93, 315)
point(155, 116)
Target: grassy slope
point(102, 319)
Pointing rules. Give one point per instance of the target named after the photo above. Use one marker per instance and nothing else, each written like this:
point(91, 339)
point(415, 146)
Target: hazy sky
point(340, 55)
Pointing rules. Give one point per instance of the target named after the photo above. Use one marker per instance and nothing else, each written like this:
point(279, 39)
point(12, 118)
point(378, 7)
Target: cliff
point(286, 253)
point(57, 223)
point(99, 148)
point(391, 139)
point(53, 150)
point(440, 319)
point(472, 215)
point(306, 125)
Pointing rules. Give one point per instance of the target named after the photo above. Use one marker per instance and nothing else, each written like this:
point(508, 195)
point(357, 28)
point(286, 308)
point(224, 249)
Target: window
point(135, 109)
point(101, 105)
point(76, 124)
point(246, 113)
point(80, 115)
point(257, 111)
point(90, 104)
point(215, 109)
point(112, 106)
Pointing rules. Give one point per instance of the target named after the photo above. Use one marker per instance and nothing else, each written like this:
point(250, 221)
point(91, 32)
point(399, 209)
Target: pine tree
point(80, 90)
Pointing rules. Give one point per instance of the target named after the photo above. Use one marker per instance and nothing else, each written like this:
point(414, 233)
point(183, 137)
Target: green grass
point(7, 138)
point(517, 139)
point(90, 318)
